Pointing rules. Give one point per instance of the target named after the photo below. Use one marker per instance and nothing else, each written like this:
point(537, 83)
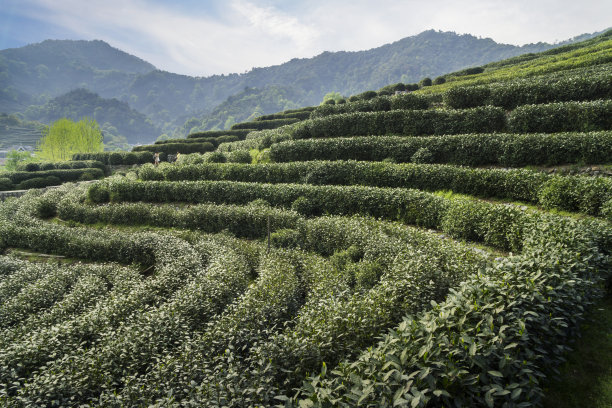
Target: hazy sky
point(208, 37)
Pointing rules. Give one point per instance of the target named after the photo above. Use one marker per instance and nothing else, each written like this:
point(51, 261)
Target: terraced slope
point(396, 252)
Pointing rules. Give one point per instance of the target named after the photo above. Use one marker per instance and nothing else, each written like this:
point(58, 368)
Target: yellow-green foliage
point(65, 138)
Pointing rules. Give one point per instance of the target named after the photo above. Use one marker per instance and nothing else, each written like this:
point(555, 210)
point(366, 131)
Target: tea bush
point(552, 88)
point(516, 184)
point(118, 158)
point(173, 148)
point(377, 104)
point(241, 134)
point(411, 122)
point(562, 117)
point(265, 124)
point(470, 149)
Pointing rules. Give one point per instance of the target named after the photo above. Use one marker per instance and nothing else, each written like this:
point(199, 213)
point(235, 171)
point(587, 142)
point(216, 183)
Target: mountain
point(14, 131)
point(34, 74)
point(115, 118)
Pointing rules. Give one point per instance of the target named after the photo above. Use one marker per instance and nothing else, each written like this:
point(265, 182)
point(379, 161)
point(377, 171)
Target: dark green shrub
point(508, 150)
point(466, 97)
point(98, 193)
point(260, 202)
point(286, 238)
point(560, 193)
point(53, 180)
point(29, 167)
point(87, 176)
point(306, 207)
point(425, 82)
point(5, 184)
point(392, 89)
point(422, 156)
point(216, 157)
point(583, 194)
point(35, 182)
point(45, 208)
point(239, 156)
point(606, 210)
point(439, 80)
point(329, 102)
point(562, 117)
point(367, 274)
point(115, 158)
point(47, 166)
point(558, 87)
point(265, 124)
point(409, 102)
point(174, 148)
point(364, 96)
point(404, 122)
point(216, 133)
point(226, 139)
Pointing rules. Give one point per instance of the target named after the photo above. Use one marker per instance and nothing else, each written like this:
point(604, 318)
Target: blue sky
point(209, 37)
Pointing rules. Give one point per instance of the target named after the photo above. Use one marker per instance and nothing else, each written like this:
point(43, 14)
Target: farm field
point(393, 250)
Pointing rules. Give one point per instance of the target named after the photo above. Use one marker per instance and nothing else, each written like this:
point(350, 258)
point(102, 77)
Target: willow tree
point(64, 138)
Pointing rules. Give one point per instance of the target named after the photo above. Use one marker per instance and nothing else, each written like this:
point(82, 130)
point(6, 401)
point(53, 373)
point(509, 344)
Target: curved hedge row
point(562, 117)
point(243, 221)
point(490, 341)
point(25, 180)
point(513, 150)
point(549, 118)
point(496, 225)
point(570, 193)
point(118, 158)
point(216, 133)
point(511, 94)
point(349, 285)
point(156, 341)
point(71, 164)
point(264, 124)
point(301, 115)
point(216, 141)
point(173, 148)
point(400, 122)
point(377, 104)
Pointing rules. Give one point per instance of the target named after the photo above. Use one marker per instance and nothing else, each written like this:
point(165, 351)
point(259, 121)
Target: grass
point(586, 378)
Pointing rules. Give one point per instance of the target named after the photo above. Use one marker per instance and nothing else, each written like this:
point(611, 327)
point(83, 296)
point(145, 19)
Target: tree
point(13, 158)
point(332, 96)
point(64, 138)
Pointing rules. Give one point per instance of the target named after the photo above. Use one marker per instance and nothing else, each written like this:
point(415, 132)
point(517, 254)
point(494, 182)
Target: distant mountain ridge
point(114, 117)
point(34, 74)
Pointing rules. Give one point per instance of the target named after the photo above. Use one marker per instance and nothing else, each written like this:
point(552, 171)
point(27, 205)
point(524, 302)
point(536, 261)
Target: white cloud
point(269, 21)
point(246, 33)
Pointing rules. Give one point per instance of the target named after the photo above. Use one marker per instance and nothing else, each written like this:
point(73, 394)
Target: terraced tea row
point(589, 195)
point(117, 351)
point(293, 284)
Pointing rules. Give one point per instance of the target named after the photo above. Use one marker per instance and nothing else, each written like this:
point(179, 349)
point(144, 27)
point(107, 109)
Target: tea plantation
point(438, 248)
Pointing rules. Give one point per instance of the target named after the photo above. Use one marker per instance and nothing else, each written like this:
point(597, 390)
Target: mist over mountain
point(33, 75)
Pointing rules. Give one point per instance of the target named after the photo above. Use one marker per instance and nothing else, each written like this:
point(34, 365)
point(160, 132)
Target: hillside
point(33, 74)
point(421, 249)
point(115, 118)
point(15, 131)
point(53, 67)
